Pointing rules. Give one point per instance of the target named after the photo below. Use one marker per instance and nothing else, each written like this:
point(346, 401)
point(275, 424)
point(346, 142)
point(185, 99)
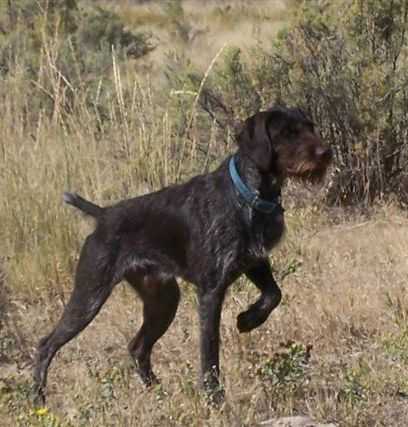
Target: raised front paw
point(250, 319)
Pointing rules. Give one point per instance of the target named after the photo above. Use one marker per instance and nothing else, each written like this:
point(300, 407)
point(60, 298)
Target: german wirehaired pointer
point(208, 231)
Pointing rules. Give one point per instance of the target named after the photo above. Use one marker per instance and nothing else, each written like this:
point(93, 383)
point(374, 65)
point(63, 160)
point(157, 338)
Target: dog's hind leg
point(160, 297)
point(93, 285)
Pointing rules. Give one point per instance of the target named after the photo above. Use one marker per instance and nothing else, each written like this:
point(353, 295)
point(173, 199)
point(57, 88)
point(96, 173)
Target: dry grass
point(343, 279)
point(344, 295)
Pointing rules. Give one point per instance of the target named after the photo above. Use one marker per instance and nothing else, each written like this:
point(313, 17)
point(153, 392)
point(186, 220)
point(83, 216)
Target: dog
point(208, 231)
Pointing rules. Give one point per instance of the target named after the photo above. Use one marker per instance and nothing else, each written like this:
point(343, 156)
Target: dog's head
point(282, 142)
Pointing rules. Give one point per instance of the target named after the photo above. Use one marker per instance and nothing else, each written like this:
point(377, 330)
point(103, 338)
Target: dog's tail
point(84, 205)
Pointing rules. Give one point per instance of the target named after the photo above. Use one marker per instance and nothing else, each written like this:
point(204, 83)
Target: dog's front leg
point(261, 276)
point(210, 305)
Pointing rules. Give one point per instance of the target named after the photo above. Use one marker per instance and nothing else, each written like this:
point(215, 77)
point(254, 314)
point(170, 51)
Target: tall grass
point(134, 151)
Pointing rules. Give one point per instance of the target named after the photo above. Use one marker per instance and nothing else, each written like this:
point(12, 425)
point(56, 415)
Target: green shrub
point(288, 366)
point(100, 30)
point(346, 64)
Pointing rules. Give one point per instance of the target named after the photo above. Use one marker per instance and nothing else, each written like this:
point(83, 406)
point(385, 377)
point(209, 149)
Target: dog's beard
point(308, 171)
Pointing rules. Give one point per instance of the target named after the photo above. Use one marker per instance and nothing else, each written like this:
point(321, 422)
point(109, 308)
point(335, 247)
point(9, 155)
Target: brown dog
point(208, 231)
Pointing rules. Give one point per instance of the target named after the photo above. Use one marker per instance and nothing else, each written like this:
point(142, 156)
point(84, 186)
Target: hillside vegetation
point(118, 98)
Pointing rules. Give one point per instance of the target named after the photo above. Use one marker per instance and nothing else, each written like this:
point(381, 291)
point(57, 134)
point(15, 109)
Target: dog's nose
point(325, 153)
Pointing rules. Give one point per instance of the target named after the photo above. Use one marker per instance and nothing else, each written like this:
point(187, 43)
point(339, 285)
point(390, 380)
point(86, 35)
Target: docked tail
point(84, 205)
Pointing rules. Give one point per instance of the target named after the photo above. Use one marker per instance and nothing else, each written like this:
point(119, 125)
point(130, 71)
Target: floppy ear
point(257, 135)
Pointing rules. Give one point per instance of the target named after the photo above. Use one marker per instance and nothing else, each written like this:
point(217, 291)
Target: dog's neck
point(268, 185)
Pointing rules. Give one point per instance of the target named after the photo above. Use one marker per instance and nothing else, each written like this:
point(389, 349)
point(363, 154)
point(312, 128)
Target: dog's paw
point(247, 321)
point(252, 318)
point(37, 397)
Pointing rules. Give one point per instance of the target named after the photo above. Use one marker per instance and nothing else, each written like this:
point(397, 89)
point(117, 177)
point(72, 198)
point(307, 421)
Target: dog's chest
point(265, 233)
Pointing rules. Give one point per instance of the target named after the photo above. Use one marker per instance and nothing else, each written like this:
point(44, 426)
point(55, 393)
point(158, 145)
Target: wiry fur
point(200, 231)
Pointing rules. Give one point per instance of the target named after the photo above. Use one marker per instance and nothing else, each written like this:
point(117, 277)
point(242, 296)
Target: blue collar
point(251, 197)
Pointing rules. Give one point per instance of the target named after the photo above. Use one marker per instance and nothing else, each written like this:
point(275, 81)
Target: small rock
point(299, 421)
